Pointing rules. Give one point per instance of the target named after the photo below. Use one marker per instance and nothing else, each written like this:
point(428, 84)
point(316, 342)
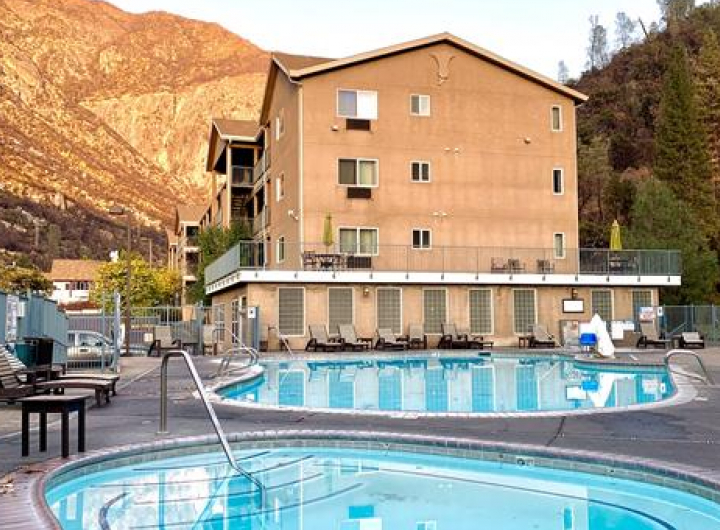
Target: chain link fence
point(702, 318)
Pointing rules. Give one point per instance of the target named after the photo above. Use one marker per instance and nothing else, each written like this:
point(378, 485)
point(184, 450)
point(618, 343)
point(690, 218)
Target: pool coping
point(685, 392)
point(26, 508)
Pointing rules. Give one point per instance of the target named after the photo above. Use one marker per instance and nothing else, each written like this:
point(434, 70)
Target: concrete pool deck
point(686, 435)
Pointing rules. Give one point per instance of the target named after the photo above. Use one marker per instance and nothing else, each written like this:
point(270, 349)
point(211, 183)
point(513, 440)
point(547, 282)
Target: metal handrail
point(208, 408)
point(228, 354)
point(672, 353)
point(281, 337)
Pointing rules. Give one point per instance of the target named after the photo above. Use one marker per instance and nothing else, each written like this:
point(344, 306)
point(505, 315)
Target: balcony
point(496, 262)
point(262, 166)
point(261, 221)
point(241, 177)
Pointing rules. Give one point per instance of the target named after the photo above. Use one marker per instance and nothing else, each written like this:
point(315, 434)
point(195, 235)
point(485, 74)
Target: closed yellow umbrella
point(615, 239)
point(328, 232)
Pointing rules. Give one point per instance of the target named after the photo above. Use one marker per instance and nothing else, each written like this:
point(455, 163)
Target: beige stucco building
point(427, 182)
point(183, 246)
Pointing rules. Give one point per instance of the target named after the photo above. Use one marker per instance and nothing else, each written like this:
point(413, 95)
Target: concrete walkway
point(686, 434)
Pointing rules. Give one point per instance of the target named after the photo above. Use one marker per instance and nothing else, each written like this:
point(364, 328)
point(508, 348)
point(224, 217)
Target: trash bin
point(44, 347)
point(26, 353)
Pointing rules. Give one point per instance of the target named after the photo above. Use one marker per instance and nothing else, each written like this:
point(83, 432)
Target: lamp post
point(119, 210)
point(150, 248)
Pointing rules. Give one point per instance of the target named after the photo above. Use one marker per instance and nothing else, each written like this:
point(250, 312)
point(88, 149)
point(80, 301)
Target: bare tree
point(563, 73)
point(673, 11)
point(624, 30)
point(598, 53)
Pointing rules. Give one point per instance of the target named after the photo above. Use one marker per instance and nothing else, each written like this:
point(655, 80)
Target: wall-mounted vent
point(352, 124)
point(359, 193)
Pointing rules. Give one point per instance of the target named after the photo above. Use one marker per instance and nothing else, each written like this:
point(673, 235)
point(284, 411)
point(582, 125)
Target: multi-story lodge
point(427, 182)
point(183, 249)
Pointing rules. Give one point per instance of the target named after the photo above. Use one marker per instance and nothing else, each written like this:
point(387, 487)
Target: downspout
point(301, 166)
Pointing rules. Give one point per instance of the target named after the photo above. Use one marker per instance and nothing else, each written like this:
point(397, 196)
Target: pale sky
point(535, 33)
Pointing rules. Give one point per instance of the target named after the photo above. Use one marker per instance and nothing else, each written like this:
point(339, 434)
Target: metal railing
point(262, 166)
point(252, 255)
point(224, 368)
point(261, 221)
point(208, 408)
point(674, 353)
point(242, 176)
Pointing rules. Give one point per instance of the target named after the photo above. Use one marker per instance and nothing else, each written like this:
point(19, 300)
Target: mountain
point(101, 107)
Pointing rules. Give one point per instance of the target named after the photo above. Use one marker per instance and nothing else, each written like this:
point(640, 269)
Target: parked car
point(89, 346)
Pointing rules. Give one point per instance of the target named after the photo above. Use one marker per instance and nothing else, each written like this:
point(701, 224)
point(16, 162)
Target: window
point(434, 310)
point(291, 311)
point(559, 245)
point(359, 241)
point(357, 172)
point(558, 182)
point(280, 257)
point(601, 301)
point(421, 238)
point(280, 125)
point(557, 124)
point(280, 187)
point(640, 299)
point(219, 320)
point(235, 321)
point(340, 307)
point(389, 309)
point(419, 105)
point(420, 171)
point(357, 104)
point(481, 312)
point(524, 317)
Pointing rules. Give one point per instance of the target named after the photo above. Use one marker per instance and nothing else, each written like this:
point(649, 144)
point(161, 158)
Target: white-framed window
point(291, 311)
point(358, 172)
point(434, 310)
point(389, 309)
point(359, 240)
point(280, 187)
point(524, 310)
point(559, 245)
point(556, 120)
point(357, 104)
point(426, 525)
point(558, 181)
point(481, 311)
point(421, 238)
point(235, 321)
point(218, 311)
point(640, 298)
point(280, 250)
point(419, 105)
point(280, 125)
point(601, 302)
point(420, 171)
point(340, 307)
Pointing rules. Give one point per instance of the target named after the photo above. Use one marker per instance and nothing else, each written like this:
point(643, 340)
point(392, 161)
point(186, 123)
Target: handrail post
point(672, 353)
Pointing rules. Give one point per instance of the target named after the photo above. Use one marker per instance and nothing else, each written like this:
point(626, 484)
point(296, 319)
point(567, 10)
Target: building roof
point(171, 237)
point(189, 213)
point(297, 67)
point(74, 269)
point(236, 129)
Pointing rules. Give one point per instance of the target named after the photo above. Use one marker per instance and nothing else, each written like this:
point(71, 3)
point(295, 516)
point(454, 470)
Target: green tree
point(707, 82)
point(619, 197)
point(597, 51)
point(660, 221)
point(593, 172)
point(149, 286)
point(675, 11)
point(14, 279)
point(681, 153)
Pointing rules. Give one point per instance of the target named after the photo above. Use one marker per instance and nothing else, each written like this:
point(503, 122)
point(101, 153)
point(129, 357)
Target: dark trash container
point(44, 348)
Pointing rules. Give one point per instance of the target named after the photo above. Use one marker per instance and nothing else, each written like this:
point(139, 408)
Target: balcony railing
point(262, 166)
point(261, 221)
point(250, 255)
point(242, 176)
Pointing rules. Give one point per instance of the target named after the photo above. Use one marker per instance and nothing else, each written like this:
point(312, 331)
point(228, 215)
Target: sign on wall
point(12, 314)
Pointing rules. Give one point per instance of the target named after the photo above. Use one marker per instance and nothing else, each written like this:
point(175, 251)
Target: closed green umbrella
point(615, 239)
point(328, 232)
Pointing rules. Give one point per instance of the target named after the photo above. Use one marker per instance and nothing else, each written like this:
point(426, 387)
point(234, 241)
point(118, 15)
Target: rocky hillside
point(99, 106)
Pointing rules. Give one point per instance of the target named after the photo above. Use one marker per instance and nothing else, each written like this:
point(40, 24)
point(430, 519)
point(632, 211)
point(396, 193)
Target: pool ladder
point(674, 353)
point(228, 355)
point(208, 408)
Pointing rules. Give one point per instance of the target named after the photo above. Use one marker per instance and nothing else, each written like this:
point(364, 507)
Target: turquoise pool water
point(439, 384)
point(315, 488)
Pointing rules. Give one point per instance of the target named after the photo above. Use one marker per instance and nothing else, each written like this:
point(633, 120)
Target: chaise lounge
point(319, 339)
point(417, 337)
point(650, 337)
point(387, 340)
point(692, 339)
point(451, 339)
point(349, 338)
point(541, 338)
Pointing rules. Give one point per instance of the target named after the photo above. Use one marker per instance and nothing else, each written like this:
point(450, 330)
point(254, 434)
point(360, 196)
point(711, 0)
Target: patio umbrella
point(615, 239)
point(328, 232)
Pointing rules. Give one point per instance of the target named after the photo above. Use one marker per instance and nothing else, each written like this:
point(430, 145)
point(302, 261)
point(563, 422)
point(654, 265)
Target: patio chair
point(453, 339)
point(417, 337)
point(649, 337)
point(319, 339)
point(541, 338)
point(692, 339)
point(209, 344)
point(387, 340)
point(30, 375)
point(163, 341)
point(349, 338)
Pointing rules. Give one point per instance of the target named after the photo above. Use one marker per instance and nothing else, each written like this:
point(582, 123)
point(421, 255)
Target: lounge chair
point(387, 340)
point(452, 339)
point(541, 338)
point(12, 388)
point(163, 341)
point(319, 339)
point(649, 337)
point(417, 337)
point(349, 338)
point(692, 339)
point(30, 375)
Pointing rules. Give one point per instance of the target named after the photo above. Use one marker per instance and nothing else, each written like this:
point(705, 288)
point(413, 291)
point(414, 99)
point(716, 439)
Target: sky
point(535, 33)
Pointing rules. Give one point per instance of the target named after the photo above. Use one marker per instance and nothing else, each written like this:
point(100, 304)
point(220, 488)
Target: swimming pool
point(451, 384)
point(355, 486)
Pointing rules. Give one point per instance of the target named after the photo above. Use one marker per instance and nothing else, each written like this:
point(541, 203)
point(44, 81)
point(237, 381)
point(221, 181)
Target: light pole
point(119, 210)
point(150, 249)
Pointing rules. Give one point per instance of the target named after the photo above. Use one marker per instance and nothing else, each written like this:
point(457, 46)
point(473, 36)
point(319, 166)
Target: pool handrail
point(672, 353)
point(224, 367)
point(208, 408)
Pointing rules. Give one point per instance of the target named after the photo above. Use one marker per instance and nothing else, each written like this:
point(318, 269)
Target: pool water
point(315, 488)
point(441, 384)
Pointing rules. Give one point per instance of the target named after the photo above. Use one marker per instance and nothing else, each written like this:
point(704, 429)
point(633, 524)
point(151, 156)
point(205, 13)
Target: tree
point(660, 221)
point(674, 11)
point(598, 54)
point(707, 82)
point(149, 286)
point(619, 197)
point(624, 30)
point(14, 279)
point(681, 152)
point(563, 73)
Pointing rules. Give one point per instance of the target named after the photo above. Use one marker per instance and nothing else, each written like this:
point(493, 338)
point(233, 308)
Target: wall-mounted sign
point(12, 313)
point(573, 305)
